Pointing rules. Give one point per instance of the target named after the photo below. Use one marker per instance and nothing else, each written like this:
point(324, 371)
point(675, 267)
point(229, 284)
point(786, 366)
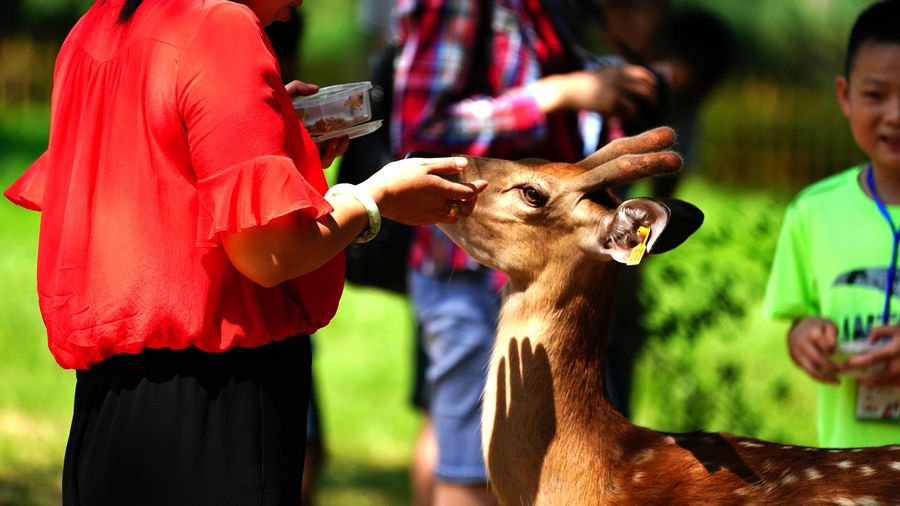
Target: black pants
point(184, 427)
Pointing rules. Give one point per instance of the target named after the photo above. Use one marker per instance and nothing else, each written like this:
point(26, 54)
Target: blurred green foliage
point(778, 136)
point(794, 40)
point(799, 41)
point(713, 362)
point(42, 19)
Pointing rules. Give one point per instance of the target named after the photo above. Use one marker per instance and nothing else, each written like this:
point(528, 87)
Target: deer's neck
point(567, 319)
point(545, 396)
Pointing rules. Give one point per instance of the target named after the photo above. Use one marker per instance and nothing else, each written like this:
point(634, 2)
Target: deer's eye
point(533, 196)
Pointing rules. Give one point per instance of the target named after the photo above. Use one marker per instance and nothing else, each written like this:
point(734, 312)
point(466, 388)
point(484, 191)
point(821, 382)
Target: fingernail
point(460, 161)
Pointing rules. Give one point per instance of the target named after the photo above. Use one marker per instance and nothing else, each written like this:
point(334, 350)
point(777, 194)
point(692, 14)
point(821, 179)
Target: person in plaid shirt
point(485, 78)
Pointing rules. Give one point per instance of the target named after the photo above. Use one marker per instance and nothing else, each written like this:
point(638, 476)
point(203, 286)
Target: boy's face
point(870, 99)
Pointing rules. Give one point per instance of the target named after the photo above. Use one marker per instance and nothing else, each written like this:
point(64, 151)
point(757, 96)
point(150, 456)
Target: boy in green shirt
point(834, 271)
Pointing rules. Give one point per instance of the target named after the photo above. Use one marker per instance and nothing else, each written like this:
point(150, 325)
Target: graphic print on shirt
point(858, 326)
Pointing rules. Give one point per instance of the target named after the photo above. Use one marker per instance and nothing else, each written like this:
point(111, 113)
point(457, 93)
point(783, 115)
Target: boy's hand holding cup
point(876, 361)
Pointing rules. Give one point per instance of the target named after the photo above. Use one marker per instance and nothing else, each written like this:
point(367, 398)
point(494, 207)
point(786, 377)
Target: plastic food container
point(849, 349)
point(334, 108)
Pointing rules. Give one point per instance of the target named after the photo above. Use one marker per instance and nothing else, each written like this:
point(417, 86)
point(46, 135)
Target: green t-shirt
point(831, 261)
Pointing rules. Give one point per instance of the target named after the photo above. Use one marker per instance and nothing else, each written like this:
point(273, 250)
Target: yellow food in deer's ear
point(637, 254)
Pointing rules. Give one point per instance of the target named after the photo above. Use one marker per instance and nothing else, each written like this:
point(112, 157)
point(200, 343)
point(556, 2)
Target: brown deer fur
point(550, 435)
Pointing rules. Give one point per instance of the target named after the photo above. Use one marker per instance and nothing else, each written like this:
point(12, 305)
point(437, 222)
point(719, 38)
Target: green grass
point(35, 394)
point(363, 370)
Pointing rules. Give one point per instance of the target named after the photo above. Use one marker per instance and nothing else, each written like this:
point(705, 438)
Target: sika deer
point(550, 435)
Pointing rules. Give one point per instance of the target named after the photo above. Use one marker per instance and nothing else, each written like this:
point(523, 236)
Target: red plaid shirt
point(431, 112)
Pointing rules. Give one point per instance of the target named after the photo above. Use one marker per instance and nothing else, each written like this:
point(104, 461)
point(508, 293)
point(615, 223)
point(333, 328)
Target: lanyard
point(892, 268)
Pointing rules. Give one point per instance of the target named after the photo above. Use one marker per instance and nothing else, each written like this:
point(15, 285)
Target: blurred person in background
point(834, 274)
point(498, 79)
point(189, 245)
point(692, 50)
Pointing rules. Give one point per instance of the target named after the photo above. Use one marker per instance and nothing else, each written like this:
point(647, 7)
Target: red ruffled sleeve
point(253, 193)
point(28, 190)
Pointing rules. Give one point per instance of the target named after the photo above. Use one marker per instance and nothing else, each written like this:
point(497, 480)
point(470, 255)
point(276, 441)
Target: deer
point(550, 435)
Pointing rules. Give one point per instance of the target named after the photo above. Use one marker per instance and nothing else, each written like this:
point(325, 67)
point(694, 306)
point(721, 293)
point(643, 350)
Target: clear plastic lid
point(331, 94)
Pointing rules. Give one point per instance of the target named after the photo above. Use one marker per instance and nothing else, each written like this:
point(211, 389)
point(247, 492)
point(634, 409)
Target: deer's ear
point(670, 221)
point(684, 219)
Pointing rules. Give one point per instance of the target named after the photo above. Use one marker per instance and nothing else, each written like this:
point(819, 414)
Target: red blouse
point(164, 132)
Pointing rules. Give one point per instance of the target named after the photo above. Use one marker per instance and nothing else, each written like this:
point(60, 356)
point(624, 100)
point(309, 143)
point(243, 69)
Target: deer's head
point(535, 214)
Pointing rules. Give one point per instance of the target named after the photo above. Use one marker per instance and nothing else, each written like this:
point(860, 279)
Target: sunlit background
point(711, 361)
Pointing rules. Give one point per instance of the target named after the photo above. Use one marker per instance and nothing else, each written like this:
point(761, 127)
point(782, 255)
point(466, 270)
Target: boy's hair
point(880, 23)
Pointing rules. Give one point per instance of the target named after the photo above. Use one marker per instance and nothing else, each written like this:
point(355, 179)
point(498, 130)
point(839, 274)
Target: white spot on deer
point(787, 447)
point(750, 444)
point(808, 449)
point(844, 464)
point(614, 488)
point(835, 451)
point(856, 450)
point(788, 479)
point(643, 456)
point(894, 465)
point(769, 488)
point(742, 491)
point(637, 476)
point(895, 448)
point(865, 500)
point(866, 470)
point(812, 473)
point(669, 440)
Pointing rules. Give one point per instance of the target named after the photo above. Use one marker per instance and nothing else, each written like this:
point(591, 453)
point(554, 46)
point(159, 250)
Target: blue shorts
point(458, 315)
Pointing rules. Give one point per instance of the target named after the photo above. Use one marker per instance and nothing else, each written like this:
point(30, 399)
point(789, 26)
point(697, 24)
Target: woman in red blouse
point(188, 247)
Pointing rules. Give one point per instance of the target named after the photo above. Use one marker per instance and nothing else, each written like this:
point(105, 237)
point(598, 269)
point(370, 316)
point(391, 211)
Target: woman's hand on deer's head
point(422, 191)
